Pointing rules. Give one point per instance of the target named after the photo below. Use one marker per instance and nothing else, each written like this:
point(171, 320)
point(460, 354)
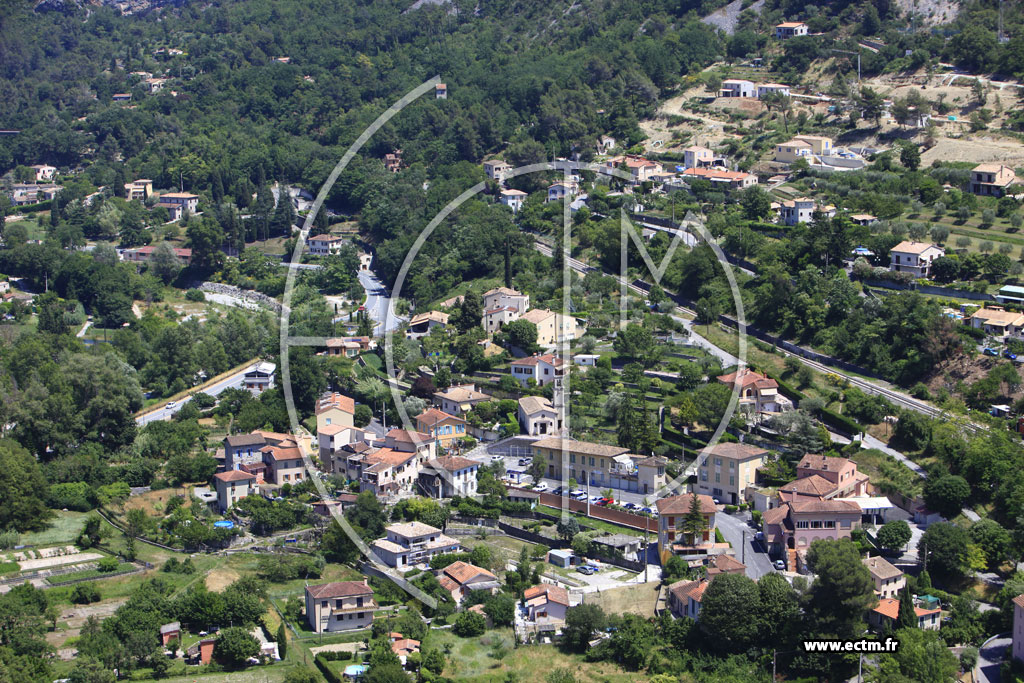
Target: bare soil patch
point(219, 579)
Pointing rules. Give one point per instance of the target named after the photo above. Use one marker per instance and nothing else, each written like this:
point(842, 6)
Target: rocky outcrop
point(126, 6)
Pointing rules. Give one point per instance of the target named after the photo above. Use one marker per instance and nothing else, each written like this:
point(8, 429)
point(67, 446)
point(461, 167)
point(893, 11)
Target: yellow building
point(440, 426)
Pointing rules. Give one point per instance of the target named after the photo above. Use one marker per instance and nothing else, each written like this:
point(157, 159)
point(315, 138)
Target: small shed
point(169, 631)
point(560, 558)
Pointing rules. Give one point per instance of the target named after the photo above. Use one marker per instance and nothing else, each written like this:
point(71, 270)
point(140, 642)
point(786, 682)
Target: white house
point(513, 199)
point(543, 369)
point(697, 157)
point(44, 173)
point(496, 169)
point(766, 88)
point(410, 543)
point(736, 87)
point(915, 258)
point(448, 476)
point(259, 378)
point(322, 245)
point(501, 297)
point(546, 604)
point(339, 606)
point(538, 417)
point(790, 29)
point(801, 210)
point(561, 189)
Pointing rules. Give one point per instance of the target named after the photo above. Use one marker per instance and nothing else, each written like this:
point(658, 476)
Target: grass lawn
point(640, 599)
point(64, 529)
point(492, 656)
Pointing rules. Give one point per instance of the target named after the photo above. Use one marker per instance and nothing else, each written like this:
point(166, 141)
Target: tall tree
point(843, 590)
point(907, 617)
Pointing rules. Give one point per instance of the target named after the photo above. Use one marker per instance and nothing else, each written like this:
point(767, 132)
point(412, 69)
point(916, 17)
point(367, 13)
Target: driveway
point(990, 656)
point(751, 553)
point(233, 381)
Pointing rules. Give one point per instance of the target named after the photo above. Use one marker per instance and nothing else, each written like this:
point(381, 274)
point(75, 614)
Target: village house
point(863, 219)
point(834, 478)
point(232, 486)
point(177, 203)
point(553, 328)
point(672, 511)
point(247, 449)
point(387, 471)
point(793, 526)
point(915, 258)
point(542, 369)
point(349, 347)
point(44, 173)
point(324, 244)
point(201, 652)
point(169, 632)
point(887, 612)
point(628, 546)
point(423, 324)
point(698, 157)
point(121, 97)
point(506, 297)
point(996, 321)
point(605, 144)
point(138, 190)
point(802, 210)
point(684, 598)
point(724, 564)
point(259, 377)
point(757, 393)
point(461, 578)
point(339, 606)
point(721, 179)
point(495, 169)
point(449, 476)
point(1018, 628)
point(639, 168)
point(769, 88)
point(561, 189)
point(790, 151)
point(538, 417)
point(991, 179)
point(729, 469)
point(408, 544)
point(441, 91)
point(143, 254)
point(459, 399)
point(889, 581)
point(393, 161)
point(403, 647)
point(513, 199)
point(443, 428)
point(736, 87)
point(496, 318)
point(600, 465)
point(546, 605)
point(790, 29)
point(22, 194)
point(335, 409)
point(284, 463)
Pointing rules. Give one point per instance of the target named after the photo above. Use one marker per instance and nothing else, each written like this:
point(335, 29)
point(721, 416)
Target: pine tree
point(508, 263)
point(693, 523)
point(217, 187)
point(907, 617)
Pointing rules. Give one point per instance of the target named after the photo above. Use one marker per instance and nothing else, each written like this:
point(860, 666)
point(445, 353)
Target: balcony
point(347, 609)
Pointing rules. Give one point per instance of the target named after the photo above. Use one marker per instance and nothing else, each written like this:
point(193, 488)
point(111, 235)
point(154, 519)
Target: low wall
point(246, 294)
point(934, 290)
point(620, 517)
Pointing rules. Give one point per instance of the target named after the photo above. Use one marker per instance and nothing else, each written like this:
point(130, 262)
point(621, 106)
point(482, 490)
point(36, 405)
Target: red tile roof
point(233, 475)
point(554, 593)
point(680, 505)
point(339, 589)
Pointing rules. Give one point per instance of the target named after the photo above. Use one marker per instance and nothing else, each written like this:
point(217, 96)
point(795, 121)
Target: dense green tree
point(944, 547)
point(842, 590)
point(894, 535)
point(21, 481)
point(729, 613)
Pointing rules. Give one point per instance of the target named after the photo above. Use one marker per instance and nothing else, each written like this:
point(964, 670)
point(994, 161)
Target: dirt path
point(75, 618)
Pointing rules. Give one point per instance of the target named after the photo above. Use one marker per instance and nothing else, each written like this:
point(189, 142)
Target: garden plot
point(47, 558)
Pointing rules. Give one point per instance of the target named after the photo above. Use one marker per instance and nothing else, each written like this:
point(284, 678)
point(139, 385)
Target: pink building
point(794, 526)
point(1018, 627)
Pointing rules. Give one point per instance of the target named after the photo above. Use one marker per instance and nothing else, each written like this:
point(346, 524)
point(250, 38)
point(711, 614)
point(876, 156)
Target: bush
point(108, 564)
point(84, 593)
point(731, 509)
point(469, 625)
point(195, 295)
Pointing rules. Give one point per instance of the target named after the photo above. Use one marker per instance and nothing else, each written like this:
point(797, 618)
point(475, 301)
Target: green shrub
point(108, 564)
point(84, 593)
point(195, 295)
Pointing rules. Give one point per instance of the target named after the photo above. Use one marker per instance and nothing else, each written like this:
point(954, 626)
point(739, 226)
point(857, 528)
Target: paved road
point(869, 441)
point(165, 413)
point(756, 558)
point(990, 656)
point(378, 304)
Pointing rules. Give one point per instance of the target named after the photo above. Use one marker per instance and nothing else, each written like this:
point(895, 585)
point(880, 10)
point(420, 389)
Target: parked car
point(780, 565)
point(759, 536)
point(594, 499)
point(631, 506)
point(541, 487)
point(1009, 354)
point(557, 491)
point(990, 351)
point(171, 404)
point(593, 568)
point(606, 501)
point(522, 462)
point(584, 569)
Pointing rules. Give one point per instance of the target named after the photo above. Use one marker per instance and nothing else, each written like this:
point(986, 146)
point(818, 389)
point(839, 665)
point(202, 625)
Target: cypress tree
point(907, 617)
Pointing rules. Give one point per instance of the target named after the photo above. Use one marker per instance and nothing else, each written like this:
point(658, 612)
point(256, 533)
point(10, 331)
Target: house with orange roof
point(841, 473)
point(461, 578)
point(639, 168)
point(232, 486)
point(459, 399)
point(790, 528)
point(887, 612)
point(757, 393)
point(673, 538)
point(339, 606)
point(790, 29)
point(284, 463)
point(684, 598)
point(440, 426)
point(991, 179)
point(542, 369)
point(721, 178)
point(729, 470)
point(725, 564)
point(546, 605)
point(1018, 628)
point(915, 258)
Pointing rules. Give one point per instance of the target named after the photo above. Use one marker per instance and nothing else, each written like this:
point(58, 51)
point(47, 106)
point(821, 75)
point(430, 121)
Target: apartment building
point(408, 544)
point(729, 470)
